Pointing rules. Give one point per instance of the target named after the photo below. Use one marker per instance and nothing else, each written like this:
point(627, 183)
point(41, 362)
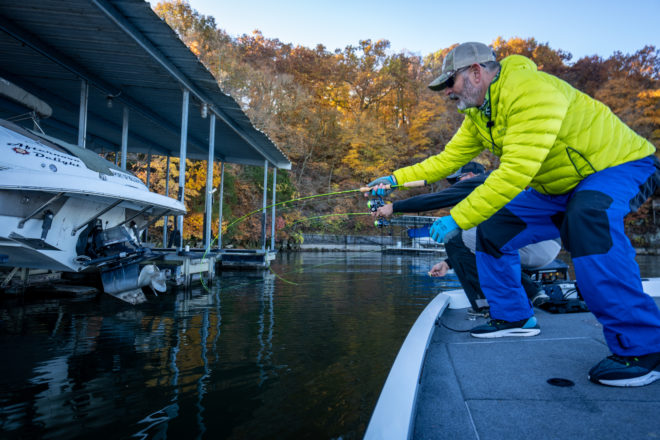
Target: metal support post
point(182, 161)
point(220, 203)
point(272, 214)
point(166, 219)
point(82, 117)
point(124, 139)
point(208, 210)
point(149, 169)
point(146, 231)
point(263, 209)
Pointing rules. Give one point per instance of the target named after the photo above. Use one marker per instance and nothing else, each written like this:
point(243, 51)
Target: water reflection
point(256, 356)
point(266, 314)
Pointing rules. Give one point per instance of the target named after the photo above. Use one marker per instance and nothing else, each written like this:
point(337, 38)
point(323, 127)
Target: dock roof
point(129, 57)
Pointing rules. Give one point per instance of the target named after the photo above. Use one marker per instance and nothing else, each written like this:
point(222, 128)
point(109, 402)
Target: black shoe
point(627, 371)
point(540, 298)
point(497, 328)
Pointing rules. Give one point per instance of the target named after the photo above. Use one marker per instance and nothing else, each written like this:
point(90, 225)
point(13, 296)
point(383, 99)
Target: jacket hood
point(518, 62)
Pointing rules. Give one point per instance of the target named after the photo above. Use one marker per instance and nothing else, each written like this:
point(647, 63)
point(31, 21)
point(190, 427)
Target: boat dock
point(118, 80)
point(192, 265)
point(403, 234)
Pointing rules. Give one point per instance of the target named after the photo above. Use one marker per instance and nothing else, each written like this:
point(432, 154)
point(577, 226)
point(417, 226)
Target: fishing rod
point(329, 215)
point(413, 184)
point(363, 189)
point(378, 201)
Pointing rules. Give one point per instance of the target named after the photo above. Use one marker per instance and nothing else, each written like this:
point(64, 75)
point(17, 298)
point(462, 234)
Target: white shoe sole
point(633, 381)
point(519, 332)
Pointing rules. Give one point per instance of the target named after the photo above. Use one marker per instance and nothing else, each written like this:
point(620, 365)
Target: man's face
point(464, 91)
point(466, 176)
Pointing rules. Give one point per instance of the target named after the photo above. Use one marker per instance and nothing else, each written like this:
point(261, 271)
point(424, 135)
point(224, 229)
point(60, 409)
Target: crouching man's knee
point(586, 226)
point(497, 231)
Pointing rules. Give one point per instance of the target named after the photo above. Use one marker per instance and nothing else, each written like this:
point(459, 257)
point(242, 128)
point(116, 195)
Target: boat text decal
point(42, 153)
point(127, 176)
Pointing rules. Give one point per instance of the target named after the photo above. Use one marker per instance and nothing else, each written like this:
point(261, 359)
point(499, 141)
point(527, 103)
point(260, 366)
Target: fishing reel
point(373, 205)
point(381, 223)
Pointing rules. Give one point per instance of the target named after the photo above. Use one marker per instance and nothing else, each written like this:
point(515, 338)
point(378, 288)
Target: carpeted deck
point(498, 389)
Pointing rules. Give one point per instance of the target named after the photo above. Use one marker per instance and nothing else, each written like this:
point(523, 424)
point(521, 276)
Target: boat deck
point(494, 389)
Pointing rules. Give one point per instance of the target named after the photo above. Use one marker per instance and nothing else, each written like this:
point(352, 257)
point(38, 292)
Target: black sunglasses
point(452, 79)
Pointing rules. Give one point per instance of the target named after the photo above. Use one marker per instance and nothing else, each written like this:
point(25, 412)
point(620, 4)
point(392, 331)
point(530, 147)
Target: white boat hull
point(77, 188)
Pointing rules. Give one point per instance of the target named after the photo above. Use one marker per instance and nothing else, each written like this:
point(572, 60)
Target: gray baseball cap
point(461, 56)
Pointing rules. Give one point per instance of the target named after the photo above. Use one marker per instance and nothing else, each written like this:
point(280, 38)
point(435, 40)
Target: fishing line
point(280, 278)
point(300, 269)
point(313, 218)
point(297, 199)
point(279, 204)
point(329, 215)
point(312, 283)
point(207, 250)
point(316, 218)
point(363, 189)
point(294, 271)
point(348, 191)
point(415, 184)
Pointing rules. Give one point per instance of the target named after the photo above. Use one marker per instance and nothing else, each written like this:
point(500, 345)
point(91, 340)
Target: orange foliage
point(347, 116)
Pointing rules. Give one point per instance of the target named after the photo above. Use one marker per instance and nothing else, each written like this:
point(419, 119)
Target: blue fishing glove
point(443, 229)
point(387, 180)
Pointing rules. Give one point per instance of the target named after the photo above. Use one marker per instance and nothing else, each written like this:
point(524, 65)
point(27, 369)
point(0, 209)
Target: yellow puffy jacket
point(547, 134)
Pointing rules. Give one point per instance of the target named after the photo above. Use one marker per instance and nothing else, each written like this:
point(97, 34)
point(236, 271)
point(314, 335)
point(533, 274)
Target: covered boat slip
point(119, 79)
point(511, 387)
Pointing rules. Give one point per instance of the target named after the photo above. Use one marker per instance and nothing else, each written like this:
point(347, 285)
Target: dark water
point(255, 356)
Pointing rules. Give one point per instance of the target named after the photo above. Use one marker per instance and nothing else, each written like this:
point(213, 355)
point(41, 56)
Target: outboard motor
point(116, 253)
point(117, 241)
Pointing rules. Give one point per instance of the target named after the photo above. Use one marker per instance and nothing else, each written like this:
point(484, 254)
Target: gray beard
point(468, 98)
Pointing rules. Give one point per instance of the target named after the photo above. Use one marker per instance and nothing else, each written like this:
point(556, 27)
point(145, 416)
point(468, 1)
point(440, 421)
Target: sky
point(581, 27)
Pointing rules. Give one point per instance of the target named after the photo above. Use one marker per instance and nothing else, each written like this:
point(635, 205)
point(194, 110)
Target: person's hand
point(385, 211)
point(443, 229)
point(378, 186)
point(439, 270)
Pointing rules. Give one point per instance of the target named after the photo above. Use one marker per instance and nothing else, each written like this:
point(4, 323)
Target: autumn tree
point(347, 115)
point(547, 59)
point(632, 91)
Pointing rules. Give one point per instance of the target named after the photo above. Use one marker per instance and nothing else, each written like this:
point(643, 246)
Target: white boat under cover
point(444, 384)
point(51, 191)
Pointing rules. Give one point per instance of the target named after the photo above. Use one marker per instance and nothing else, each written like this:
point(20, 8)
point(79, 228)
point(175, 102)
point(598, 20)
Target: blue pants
point(589, 220)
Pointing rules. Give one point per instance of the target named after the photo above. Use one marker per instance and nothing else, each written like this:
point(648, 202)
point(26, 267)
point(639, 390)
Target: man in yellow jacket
point(569, 167)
